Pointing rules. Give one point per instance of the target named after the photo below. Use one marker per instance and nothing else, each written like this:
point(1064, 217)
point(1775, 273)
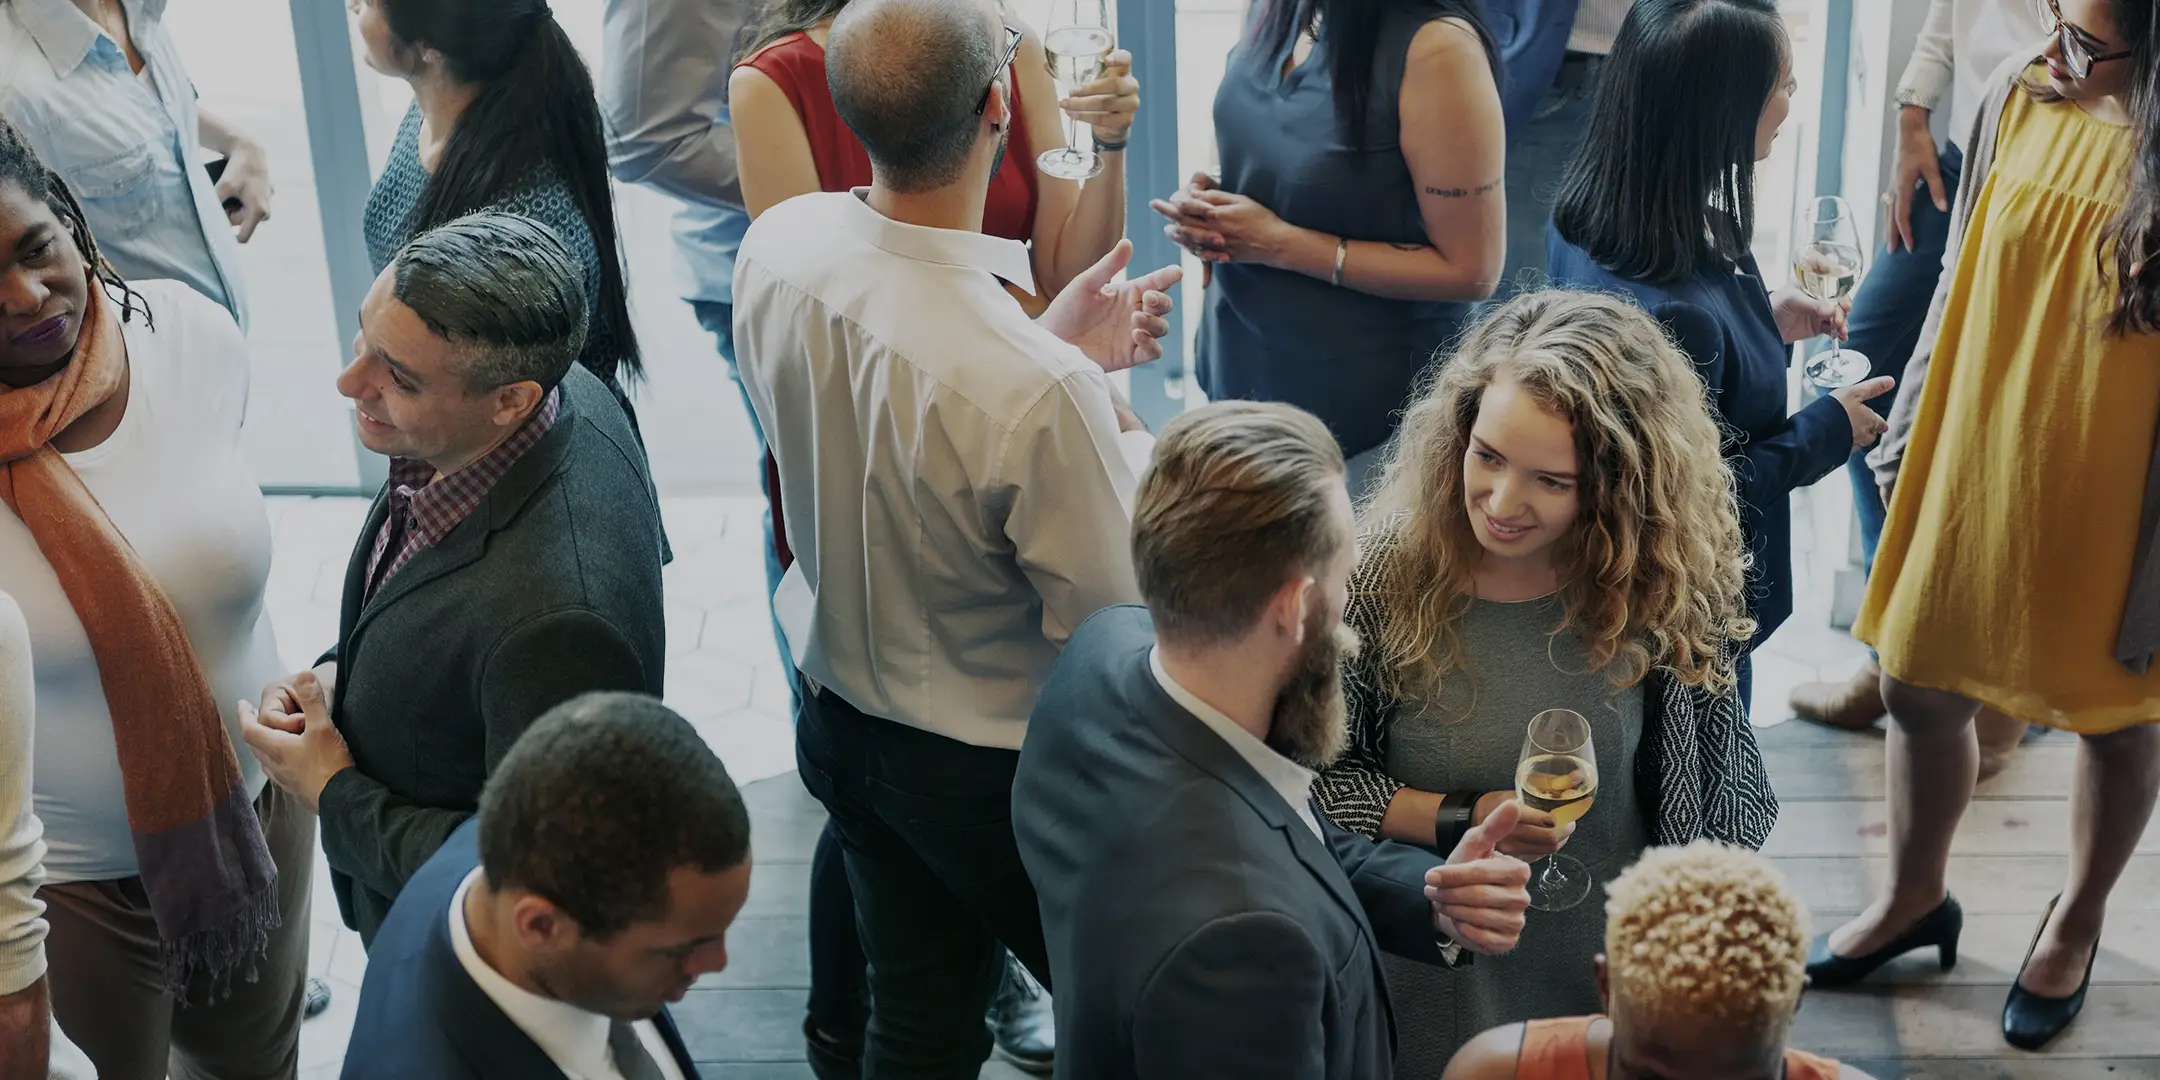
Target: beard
point(1311, 724)
point(997, 161)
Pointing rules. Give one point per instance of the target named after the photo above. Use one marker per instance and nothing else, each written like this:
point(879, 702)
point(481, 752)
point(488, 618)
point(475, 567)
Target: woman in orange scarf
point(135, 541)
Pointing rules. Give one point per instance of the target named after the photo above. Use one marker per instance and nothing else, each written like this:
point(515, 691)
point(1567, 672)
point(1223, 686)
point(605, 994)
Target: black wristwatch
point(1452, 820)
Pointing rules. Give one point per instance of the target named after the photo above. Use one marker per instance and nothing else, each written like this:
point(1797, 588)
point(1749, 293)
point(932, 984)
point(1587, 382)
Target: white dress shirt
point(575, 1040)
point(663, 90)
point(1290, 780)
point(1962, 42)
point(1597, 25)
point(956, 489)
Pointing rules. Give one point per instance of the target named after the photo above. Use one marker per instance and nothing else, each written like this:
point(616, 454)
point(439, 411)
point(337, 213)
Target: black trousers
point(925, 830)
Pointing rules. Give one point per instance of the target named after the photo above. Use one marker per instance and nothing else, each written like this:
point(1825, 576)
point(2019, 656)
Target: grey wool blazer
point(551, 588)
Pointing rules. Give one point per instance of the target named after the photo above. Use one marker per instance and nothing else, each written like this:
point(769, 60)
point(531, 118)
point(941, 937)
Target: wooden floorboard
point(1912, 1022)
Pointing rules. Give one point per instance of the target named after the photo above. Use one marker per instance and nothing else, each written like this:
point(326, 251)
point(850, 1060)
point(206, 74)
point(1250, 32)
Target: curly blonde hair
point(1653, 570)
point(1705, 934)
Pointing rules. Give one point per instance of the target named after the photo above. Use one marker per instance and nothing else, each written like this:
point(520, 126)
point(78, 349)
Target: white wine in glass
point(1077, 48)
point(1557, 774)
point(1828, 267)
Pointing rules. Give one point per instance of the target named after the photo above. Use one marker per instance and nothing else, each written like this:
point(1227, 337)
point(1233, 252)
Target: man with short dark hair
point(511, 562)
point(545, 939)
point(956, 480)
point(1202, 918)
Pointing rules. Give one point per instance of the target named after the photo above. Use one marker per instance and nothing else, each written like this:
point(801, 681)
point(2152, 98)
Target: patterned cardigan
point(1698, 774)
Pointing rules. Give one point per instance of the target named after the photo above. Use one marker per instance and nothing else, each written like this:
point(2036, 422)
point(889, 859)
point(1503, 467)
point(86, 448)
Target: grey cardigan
point(2138, 640)
point(549, 589)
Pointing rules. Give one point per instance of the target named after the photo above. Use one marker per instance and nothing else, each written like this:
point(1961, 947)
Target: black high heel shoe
point(1938, 928)
point(2031, 1021)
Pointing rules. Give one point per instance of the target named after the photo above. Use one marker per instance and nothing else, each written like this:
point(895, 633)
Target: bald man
point(957, 481)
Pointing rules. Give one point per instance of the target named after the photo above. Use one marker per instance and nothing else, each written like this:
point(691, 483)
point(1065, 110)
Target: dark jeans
point(1887, 315)
point(925, 829)
point(1537, 157)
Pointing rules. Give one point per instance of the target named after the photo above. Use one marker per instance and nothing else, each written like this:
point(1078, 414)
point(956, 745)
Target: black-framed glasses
point(1012, 49)
point(2071, 37)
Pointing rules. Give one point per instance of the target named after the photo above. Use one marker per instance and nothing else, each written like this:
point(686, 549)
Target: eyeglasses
point(2072, 38)
point(1012, 49)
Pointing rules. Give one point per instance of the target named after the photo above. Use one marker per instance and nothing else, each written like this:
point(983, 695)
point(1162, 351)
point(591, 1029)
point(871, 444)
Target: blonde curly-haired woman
point(1556, 529)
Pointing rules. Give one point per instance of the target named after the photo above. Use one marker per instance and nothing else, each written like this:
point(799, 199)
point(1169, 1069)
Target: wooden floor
point(1920, 1022)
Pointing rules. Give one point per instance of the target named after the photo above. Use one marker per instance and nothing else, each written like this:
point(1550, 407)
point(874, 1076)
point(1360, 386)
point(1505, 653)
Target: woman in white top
point(135, 541)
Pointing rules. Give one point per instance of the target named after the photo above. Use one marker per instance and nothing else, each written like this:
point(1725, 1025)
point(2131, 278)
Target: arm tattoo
point(1458, 193)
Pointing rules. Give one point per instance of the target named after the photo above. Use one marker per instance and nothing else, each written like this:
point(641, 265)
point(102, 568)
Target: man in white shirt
point(1962, 43)
point(956, 484)
point(546, 937)
point(1553, 50)
point(1202, 919)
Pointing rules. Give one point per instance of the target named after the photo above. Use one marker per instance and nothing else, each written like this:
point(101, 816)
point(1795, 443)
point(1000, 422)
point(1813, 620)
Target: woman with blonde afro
point(1705, 951)
point(1555, 530)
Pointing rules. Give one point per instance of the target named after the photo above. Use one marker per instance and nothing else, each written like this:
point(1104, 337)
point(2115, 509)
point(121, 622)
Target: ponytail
point(536, 110)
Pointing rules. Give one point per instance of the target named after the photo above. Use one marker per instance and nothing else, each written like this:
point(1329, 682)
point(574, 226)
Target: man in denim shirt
point(98, 88)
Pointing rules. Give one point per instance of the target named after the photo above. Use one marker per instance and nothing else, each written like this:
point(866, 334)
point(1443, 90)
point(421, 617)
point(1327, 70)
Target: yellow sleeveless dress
point(2007, 553)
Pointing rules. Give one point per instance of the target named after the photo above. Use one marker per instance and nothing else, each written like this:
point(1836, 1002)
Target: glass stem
point(1552, 878)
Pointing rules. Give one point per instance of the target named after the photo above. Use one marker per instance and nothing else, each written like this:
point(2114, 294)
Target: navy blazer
point(422, 1017)
point(1196, 927)
point(1722, 319)
point(1533, 37)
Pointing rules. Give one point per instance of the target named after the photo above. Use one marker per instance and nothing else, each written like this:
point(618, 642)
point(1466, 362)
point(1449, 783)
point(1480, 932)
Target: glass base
point(1067, 163)
point(1838, 368)
point(1558, 883)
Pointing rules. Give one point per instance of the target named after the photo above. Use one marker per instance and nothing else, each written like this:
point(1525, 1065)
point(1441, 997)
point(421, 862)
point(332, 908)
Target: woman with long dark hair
point(2036, 384)
point(1359, 211)
point(1659, 203)
point(504, 117)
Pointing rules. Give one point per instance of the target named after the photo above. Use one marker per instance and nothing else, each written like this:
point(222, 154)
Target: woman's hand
point(1535, 835)
point(1110, 102)
point(1222, 227)
point(1867, 425)
point(1800, 316)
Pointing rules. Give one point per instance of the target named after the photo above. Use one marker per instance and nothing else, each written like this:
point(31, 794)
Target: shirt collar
point(1289, 779)
point(567, 1034)
point(65, 35)
point(1006, 260)
point(444, 504)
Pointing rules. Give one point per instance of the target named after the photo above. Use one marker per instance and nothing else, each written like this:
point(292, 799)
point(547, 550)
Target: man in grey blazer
point(511, 563)
point(1202, 917)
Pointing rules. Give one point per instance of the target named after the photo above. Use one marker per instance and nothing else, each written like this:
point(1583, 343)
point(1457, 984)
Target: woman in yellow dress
point(2015, 568)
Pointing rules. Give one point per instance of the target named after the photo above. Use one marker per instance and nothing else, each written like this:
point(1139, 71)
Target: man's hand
point(299, 751)
point(1118, 324)
point(246, 181)
point(1917, 160)
point(1479, 897)
point(1536, 834)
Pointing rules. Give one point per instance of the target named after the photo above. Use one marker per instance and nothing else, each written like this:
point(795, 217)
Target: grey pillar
point(337, 144)
point(1148, 28)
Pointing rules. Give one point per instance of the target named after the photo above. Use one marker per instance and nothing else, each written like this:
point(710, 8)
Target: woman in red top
point(1705, 957)
point(790, 141)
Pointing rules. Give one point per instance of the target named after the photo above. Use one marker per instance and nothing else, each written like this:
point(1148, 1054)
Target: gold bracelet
point(1342, 249)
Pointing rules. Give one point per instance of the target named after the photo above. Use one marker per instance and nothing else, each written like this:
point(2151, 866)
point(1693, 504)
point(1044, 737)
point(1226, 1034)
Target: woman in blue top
point(1659, 203)
point(1359, 211)
point(504, 118)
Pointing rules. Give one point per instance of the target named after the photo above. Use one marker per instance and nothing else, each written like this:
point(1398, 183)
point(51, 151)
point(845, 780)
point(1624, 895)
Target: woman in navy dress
point(1659, 204)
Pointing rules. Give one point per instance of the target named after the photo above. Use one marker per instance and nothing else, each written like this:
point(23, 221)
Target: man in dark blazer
point(511, 562)
point(545, 938)
point(1202, 917)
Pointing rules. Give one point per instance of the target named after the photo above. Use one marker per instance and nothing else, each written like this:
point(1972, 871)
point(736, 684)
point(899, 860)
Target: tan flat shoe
point(1852, 705)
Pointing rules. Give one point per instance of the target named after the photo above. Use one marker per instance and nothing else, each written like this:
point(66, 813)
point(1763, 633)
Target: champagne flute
point(1078, 46)
point(1557, 774)
point(1828, 268)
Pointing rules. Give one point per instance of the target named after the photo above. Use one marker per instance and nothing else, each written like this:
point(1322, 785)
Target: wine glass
point(1828, 267)
point(1557, 774)
point(1078, 44)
